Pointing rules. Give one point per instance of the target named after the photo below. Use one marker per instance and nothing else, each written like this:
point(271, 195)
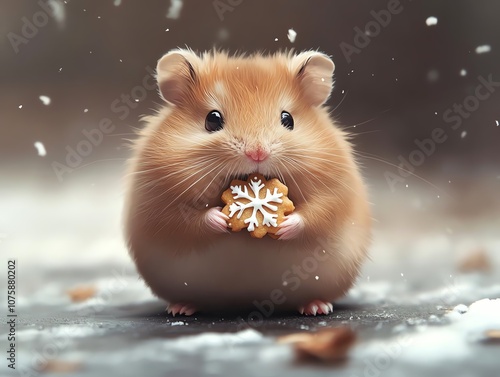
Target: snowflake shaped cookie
point(257, 204)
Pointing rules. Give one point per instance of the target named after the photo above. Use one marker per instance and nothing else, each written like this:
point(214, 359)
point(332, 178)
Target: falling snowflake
point(45, 100)
point(40, 148)
point(430, 21)
point(255, 202)
point(483, 49)
point(174, 11)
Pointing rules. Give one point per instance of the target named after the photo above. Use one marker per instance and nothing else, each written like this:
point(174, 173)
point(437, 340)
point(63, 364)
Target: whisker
point(153, 183)
point(341, 101)
point(293, 179)
point(210, 183)
point(376, 158)
point(199, 171)
point(365, 132)
point(369, 120)
point(182, 193)
point(199, 161)
point(313, 177)
point(95, 162)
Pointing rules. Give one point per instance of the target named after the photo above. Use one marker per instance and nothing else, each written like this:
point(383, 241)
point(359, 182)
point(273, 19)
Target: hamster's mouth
point(244, 176)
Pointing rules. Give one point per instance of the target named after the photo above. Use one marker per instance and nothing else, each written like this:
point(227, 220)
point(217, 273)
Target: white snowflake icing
point(255, 202)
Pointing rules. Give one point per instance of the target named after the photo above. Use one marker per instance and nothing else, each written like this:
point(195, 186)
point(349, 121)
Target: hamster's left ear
point(314, 70)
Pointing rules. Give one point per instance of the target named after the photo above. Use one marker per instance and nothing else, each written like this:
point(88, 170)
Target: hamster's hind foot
point(178, 308)
point(316, 307)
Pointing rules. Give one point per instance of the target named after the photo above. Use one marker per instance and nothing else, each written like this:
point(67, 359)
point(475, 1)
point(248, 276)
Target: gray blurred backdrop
point(397, 86)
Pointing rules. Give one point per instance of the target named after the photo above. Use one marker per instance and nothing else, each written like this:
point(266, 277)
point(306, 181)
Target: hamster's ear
point(314, 70)
point(176, 73)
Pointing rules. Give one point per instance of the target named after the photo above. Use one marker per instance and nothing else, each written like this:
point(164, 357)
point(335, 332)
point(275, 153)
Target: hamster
point(225, 117)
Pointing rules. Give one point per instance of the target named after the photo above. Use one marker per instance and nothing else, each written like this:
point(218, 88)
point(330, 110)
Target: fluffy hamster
point(226, 117)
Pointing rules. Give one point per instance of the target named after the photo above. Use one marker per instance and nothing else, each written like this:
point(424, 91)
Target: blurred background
point(66, 66)
point(406, 72)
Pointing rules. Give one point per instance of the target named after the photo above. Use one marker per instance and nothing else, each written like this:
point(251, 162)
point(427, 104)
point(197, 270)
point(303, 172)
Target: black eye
point(214, 121)
point(287, 120)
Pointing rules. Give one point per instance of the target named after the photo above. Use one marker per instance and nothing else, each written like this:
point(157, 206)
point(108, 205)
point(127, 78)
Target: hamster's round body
point(227, 117)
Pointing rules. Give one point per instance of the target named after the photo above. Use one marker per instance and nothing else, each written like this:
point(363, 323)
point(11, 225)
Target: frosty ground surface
point(401, 306)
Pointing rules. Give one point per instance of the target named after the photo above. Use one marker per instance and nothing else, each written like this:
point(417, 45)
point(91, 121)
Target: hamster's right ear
point(176, 73)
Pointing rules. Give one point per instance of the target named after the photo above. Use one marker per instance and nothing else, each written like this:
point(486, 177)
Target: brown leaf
point(492, 336)
point(81, 293)
point(475, 260)
point(60, 366)
point(327, 345)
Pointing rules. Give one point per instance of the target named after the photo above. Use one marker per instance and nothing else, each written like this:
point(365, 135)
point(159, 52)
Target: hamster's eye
point(214, 121)
point(287, 120)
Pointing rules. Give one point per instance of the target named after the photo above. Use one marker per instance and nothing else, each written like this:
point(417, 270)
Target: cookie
point(256, 204)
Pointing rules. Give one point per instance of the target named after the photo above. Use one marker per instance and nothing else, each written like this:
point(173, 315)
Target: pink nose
point(257, 155)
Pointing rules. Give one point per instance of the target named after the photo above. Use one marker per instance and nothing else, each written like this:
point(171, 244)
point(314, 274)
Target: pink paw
point(185, 309)
point(316, 307)
point(291, 227)
point(216, 220)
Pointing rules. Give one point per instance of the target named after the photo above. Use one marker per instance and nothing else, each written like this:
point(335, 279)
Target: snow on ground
point(438, 344)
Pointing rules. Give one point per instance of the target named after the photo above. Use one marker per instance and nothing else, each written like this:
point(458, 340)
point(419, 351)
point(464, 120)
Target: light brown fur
point(179, 170)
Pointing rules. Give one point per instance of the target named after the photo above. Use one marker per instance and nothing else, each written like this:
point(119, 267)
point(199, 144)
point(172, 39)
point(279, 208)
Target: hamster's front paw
point(291, 227)
point(216, 220)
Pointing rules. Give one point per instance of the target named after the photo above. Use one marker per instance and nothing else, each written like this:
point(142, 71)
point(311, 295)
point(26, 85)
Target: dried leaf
point(492, 336)
point(327, 345)
point(476, 260)
point(60, 366)
point(81, 293)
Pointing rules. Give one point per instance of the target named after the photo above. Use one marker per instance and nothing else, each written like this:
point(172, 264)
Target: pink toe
point(184, 309)
point(316, 307)
point(313, 309)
